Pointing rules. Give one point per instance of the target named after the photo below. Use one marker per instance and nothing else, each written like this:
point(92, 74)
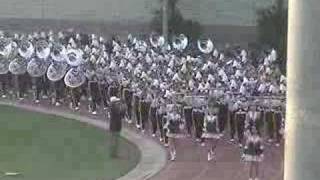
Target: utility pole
point(165, 19)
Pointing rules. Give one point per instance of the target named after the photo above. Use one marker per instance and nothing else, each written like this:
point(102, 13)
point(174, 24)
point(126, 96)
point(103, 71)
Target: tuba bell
point(74, 78)
point(26, 49)
point(56, 71)
point(74, 57)
point(156, 40)
point(205, 46)
point(18, 66)
point(180, 42)
point(42, 49)
point(59, 53)
point(37, 67)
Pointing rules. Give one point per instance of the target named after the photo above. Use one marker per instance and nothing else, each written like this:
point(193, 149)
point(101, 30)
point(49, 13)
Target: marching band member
point(93, 87)
point(270, 123)
point(4, 80)
point(144, 109)
point(211, 131)
point(222, 114)
point(187, 111)
point(136, 102)
point(175, 126)
point(253, 153)
point(113, 89)
point(103, 87)
point(153, 114)
point(59, 88)
point(198, 120)
point(277, 119)
point(161, 115)
point(240, 121)
point(233, 106)
point(38, 82)
point(127, 96)
point(254, 119)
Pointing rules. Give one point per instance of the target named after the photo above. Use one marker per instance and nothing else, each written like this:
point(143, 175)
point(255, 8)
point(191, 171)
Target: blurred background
point(254, 24)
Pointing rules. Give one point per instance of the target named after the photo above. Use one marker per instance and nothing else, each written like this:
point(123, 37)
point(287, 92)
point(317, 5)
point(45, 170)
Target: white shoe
point(153, 135)
point(76, 108)
point(21, 98)
point(198, 140)
point(209, 156)
point(250, 179)
point(130, 122)
point(173, 156)
point(3, 96)
point(58, 104)
point(231, 140)
point(166, 145)
point(256, 179)
point(44, 97)
point(203, 144)
point(37, 101)
point(269, 140)
point(143, 131)
point(277, 145)
point(94, 112)
point(240, 145)
point(161, 140)
point(138, 126)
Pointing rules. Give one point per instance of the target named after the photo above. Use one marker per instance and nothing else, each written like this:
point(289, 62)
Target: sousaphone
point(180, 42)
point(58, 67)
point(37, 67)
point(156, 40)
point(59, 53)
point(74, 57)
point(5, 47)
point(74, 77)
point(26, 49)
point(18, 66)
point(205, 46)
point(42, 49)
point(56, 71)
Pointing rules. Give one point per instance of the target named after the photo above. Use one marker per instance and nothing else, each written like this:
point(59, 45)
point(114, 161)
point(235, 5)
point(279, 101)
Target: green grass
point(44, 147)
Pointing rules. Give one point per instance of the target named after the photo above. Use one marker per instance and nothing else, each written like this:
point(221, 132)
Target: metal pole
point(165, 19)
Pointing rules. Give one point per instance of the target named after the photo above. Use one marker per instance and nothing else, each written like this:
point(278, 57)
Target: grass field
point(44, 147)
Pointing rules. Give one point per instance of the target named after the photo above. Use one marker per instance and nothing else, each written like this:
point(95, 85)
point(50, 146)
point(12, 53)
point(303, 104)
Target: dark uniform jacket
point(116, 114)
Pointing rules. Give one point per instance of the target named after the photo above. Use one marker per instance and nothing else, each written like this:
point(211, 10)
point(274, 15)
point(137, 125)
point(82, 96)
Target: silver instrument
point(42, 49)
point(157, 41)
point(180, 42)
point(74, 78)
point(18, 66)
point(56, 71)
point(37, 67)
point(205, 46)
point(74, 57)
point(26, 49)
